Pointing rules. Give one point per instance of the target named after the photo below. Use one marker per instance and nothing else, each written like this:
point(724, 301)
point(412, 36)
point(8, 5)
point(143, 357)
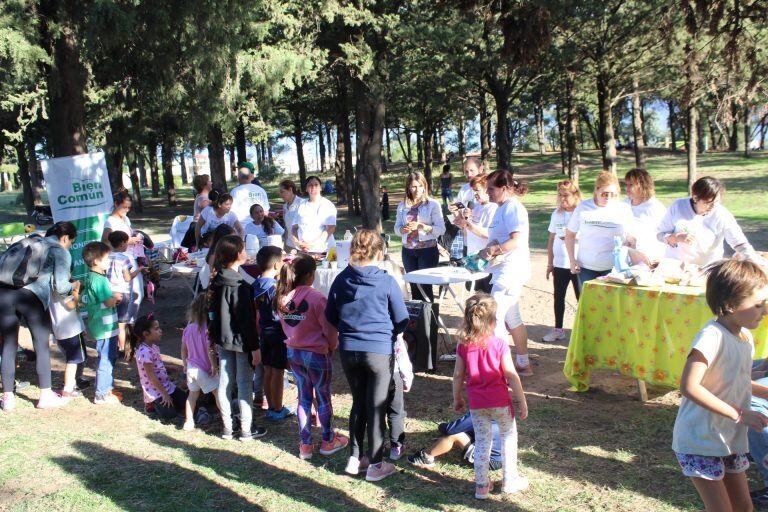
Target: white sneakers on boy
point(555, 334)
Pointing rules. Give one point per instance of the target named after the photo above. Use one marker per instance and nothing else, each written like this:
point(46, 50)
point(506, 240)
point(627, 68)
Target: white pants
point(481, 423)
point(507, 308)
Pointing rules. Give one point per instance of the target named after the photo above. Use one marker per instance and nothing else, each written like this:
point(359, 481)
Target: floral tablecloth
point(645, 333)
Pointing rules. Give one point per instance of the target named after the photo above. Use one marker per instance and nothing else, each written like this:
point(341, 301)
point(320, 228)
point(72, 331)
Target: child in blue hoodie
point(274, 353)
point(366, 305)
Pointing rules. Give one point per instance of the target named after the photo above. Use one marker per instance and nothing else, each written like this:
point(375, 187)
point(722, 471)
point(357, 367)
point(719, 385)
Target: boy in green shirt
point(100, 302)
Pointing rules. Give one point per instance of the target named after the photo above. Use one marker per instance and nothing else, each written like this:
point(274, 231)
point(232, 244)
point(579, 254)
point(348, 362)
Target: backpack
point(22, 263)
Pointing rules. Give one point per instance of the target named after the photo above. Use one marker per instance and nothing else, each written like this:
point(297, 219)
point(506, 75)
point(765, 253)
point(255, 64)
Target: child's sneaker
point(355, 465)
point(108, 399)
point(396, 451)
point(226, 434)
point(482, 490)
point(75, 393)
point(52, 400)
point(280, 415)
point(8, 402)
point(555, 334)
point(421, 458)
point(188, 426)
point(517, 484)
point(380, 471)
point(338, 443)
point(306, 451)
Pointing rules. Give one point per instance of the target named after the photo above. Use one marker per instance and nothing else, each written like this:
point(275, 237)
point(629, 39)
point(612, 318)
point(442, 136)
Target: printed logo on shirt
point(296, 314)
point(601, 224)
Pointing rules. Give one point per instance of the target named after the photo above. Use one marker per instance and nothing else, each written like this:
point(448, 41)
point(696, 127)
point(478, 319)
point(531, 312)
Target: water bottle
point(621, 261)
point(347, 235)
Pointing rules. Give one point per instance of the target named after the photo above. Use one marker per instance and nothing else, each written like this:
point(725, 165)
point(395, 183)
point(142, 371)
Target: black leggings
point(562, 277)
point(369, 376)
point(18, 304)
point(396, 410)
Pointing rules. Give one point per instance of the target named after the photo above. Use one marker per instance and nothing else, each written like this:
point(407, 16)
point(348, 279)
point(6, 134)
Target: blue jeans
point(417, 259)
point(758, 441)
point(587, 274)
point(107, 349)
point(463, 425)
point(236, 367)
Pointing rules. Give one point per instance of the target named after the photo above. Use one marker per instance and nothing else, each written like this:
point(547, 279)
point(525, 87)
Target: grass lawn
point(595, 451)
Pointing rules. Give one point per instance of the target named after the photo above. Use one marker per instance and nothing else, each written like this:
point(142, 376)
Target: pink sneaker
point(52, 401)
point(306, 451)
point(481, 491)
point(8, 402)
point(338, 443)
point(380, 471)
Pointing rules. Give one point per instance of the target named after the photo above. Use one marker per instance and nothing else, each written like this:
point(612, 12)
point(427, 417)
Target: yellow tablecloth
point(644, 333)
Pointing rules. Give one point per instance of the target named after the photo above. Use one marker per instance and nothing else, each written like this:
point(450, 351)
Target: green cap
point(247, 165)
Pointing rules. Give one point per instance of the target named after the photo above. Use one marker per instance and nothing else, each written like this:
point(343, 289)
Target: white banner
point(78, 191)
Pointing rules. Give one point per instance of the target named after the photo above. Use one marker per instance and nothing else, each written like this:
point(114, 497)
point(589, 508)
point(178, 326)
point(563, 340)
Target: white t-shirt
point(482, 215)
point(212, 221)
point(289, 216)
point(65, 323)
point(119, 224)
point(245, 196)
point(514, 267)
point(258, 229)
point(312, 219)
point(558, 222)
point(709, 231)
point(728, 376)
point(596, 227)
point(466, 195)
point(648, 216)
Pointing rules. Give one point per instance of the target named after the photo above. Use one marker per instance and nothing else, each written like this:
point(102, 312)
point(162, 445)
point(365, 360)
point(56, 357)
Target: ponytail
point(296, 273)
point(479, 319)
point(135, 334)
point(503, 178)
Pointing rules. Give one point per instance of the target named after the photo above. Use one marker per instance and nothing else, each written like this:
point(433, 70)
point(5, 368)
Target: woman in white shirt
point(648, 212)
point(695, 227)
point(510, 261)
point(119, 221)
point(290, 194)
point(475, 223)
point(419, 220)
point(218, 213)
point(262, 226)
point(558, 263)
point(315, 220)
point(597, 221)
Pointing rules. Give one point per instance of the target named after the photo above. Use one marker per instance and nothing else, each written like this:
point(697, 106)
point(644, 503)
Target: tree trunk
point(560, 132)
point(329, 142)
point(389, 147)
point(538, 111)
point(572, 121)
point(692, 146)
point(35, 172)
point(132, 160)
point(66, 78)
point(232, 163)
point(114, 158)
point(142, 169)
point(369, 128)
point(298, 139)
point(408, 146)
point(428, 155)
point(591, 129)
point(702, 134)
point(240, 142)
point(733, 138)
point(605, 123)
point(402, 148)
point(443, 152)
point(349, 168)
point(747, 131)
point(419, 153)
point(763, 130)
point(460, 134)
point(216, 158)
point(153, 170)
point(27, 190)
point(671, 122)
point(338, 167)
point(321, 143)
point(637, 125)
point(485, 131)
point(168, 145)
point(183, 165)
point(642, 117)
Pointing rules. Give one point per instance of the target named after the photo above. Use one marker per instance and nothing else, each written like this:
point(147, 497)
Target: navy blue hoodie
point(264, 290)
point(366, 305)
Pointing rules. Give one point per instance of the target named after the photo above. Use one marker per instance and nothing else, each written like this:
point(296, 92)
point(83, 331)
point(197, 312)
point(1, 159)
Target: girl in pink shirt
point(310, 340)
point(485, 363)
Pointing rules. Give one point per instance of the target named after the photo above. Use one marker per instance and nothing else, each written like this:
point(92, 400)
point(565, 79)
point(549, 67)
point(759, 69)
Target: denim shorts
point(73, 349)
point(710, 467)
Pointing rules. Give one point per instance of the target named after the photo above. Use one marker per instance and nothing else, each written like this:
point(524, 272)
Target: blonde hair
point(479, 319)
point(416, 176)
point(572, 188)
point(604, 179)
point(365, 245)
point(644, 182)
point(197, 312)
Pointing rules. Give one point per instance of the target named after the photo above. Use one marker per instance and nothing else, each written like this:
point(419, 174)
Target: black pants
point(368, 375)
point(481, 285)
point(178, 399)
point(418, 259)
point(396, 410)
point(16, 304)
point(562, 277)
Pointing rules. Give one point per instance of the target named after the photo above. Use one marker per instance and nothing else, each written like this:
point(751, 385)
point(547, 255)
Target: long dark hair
point(62, 229)
point(220, 232)
point(135, 334)
point(296, 273)
point(268, 223)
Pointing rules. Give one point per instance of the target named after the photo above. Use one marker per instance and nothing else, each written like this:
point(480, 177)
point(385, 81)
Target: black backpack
point(22, 263)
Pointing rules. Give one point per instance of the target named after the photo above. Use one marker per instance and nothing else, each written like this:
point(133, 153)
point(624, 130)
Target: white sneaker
point(355, 465)
point(189, 426)
point(516, 485)
point(554, 335)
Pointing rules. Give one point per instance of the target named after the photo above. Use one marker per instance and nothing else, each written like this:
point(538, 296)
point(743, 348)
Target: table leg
point(642, 390)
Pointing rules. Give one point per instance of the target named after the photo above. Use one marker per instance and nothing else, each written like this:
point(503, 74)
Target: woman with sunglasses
point(597, 221)
point(695, 227)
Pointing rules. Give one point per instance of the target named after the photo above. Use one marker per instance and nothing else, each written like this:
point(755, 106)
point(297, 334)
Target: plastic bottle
point(472, 262)
point(620, 257)
point(347, 235)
